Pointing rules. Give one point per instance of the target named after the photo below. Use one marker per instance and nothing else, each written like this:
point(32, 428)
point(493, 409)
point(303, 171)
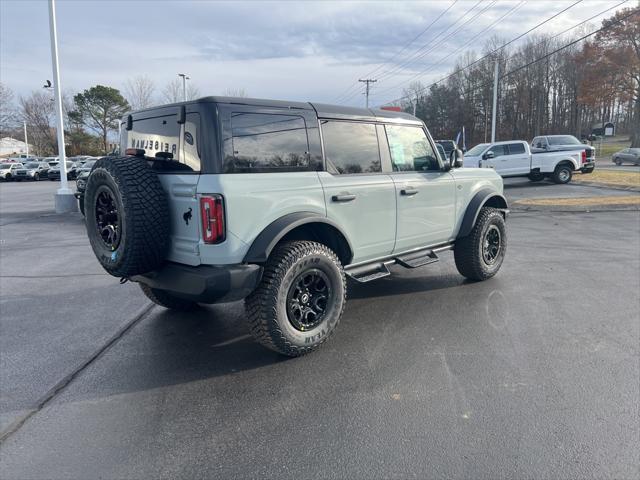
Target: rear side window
point(160, 136)
point(516, 148)
point(350, 147)
point(267, 143)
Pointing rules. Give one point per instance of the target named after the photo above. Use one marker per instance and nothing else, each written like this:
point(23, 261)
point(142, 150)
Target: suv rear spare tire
point(127, 216)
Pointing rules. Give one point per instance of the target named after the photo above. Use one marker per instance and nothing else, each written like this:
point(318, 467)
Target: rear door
point(358, 195)
point(161, 136)
point(425, 193)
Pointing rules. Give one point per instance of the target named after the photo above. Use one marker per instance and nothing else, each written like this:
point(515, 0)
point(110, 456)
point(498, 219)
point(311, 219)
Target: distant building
point(10, 147)
point(606, 129)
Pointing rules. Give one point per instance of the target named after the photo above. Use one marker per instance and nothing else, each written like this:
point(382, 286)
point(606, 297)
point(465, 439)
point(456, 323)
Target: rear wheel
point(563, 173)
point(300, 299)
point(167, 300)
point(480, 254)
point(536, 176)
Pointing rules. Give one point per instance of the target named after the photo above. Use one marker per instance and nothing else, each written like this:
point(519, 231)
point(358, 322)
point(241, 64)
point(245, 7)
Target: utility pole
point(185, 77)
point(367, 83)
point(415, 105)
point(26, 140)
point(64, 199)
point(495, 104)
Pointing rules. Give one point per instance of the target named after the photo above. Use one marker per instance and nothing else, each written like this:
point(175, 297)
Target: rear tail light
point(584, 156)
point(212, 214)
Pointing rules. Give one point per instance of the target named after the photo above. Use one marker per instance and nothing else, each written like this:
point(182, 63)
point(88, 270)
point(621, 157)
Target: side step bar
point(378, 269)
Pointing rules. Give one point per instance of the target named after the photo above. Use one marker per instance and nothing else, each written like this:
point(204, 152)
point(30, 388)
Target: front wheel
point(618, 161)
point(563, 174)
point(480, 254)
point(300, 299)
point(36, 177)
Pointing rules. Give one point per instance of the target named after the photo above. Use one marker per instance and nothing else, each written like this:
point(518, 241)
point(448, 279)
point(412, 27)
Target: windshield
point(564, 140)
point(5, 166)
point(477, 150)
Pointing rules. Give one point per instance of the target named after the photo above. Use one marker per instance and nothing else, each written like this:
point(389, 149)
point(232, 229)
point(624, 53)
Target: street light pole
point(26, 140)
point(495, 104)
point(185, 77)
point(64, 199)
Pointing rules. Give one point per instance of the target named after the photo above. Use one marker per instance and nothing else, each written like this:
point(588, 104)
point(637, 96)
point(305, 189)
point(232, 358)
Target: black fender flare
point(478, 201)
point(274, 232)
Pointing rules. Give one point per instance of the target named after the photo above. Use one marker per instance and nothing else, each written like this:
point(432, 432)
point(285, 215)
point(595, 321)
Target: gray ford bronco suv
point(277, 203)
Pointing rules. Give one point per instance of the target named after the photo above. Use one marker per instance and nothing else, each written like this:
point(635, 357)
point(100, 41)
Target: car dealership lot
point(531, 374)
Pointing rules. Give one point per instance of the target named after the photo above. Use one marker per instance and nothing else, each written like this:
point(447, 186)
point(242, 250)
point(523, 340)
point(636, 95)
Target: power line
point(547, 55)
point(413, 57)
point(443, 59)
point(505, 45)
point(348, 96)
point(404, 47)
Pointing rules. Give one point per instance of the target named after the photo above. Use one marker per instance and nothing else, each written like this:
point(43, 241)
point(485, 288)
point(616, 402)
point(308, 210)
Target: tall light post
point(495, 104)
point(64, 199)
point(185, 77)
point(26, 139)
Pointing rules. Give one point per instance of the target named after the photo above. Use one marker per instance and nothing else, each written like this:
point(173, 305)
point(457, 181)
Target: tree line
point(567, 92)
point(90, 117)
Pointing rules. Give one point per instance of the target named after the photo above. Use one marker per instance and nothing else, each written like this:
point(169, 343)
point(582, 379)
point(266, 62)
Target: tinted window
point(449, 145)
point(410, 149)
point(350, 147)
point(498, 150)
point(516, 148)
point(266, 143)
point(563, 140)
point(538, 142)
point(477, 150)
point(161, 135)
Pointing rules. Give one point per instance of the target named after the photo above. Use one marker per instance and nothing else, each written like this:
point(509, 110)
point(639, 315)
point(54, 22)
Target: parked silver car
point(629, 155)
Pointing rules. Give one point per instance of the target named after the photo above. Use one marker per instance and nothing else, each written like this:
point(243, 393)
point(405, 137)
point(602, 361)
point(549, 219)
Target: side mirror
point(457, 157)
point(489, 155)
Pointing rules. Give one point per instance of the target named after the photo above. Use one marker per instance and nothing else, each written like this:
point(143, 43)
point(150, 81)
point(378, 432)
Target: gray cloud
point(296, 50)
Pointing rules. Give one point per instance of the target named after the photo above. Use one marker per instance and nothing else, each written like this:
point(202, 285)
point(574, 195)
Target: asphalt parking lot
point(534, 373)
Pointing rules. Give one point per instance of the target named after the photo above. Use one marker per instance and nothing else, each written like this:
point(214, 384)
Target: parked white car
point(514, 159)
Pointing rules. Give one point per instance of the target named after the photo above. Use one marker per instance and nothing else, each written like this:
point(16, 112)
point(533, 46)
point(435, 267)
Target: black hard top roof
point(323, 110)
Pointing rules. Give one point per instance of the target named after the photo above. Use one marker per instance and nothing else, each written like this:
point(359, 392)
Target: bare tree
point(172, 92)
point(235, 92)
point(139, 92)
point(38, 111)
point(8, 114)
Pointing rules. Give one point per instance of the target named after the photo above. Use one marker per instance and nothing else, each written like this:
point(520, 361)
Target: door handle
point(343, 197)
point(408, 191)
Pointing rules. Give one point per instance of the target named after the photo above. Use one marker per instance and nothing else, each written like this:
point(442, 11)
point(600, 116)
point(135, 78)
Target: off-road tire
point(468, 251)
point(167, 300)
point(142, 212)
point(536, 176)
point(267, 306)
point(563, 173)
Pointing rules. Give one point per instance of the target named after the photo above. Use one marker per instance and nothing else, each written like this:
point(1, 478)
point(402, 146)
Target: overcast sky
point(285, 50)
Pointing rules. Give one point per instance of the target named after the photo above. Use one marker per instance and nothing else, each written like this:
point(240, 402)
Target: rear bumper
point(205, 283)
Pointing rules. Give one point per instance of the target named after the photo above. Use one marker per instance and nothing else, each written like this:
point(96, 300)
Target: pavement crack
point(61, 385)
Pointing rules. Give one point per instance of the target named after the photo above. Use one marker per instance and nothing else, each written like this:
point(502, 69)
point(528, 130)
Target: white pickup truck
point(514, 159)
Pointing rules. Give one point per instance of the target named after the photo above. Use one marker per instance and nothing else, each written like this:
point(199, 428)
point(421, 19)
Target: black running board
point(379, 269)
